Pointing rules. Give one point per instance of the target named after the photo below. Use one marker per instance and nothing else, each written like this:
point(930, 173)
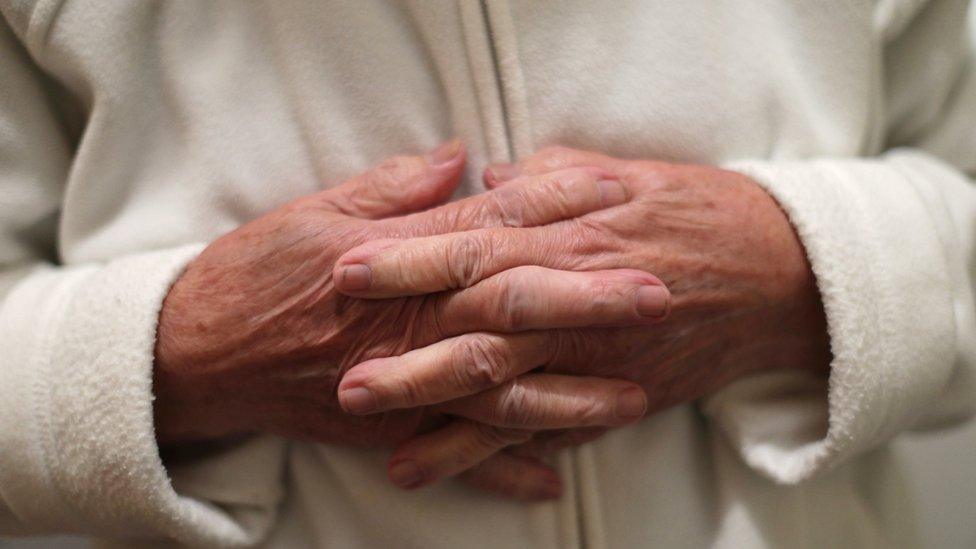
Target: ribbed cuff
point(882, 273)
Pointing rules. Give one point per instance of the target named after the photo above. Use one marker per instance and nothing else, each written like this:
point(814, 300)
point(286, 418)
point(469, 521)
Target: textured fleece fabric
point(133, 133)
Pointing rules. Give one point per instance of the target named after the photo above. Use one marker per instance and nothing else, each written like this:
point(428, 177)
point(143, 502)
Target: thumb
point(401, 184)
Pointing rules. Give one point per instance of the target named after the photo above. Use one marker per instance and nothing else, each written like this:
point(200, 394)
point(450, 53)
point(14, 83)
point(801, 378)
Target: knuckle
point(561, 188)
point(500, 437)
point(384, 176)
point(399, 169)
point(479, 363)
point(514, 299)
point(592, 238)
point(393, 177)
point(516, 406)
point(604, 294)
point(506, 207)
point(409, 390)
point(588, 411)
point(466, 258)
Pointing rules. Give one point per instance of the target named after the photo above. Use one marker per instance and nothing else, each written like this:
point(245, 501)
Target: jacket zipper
point(518, 145)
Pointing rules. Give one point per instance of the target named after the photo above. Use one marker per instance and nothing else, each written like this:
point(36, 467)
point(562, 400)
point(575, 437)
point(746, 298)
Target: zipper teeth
point(506, 126)
point(578, 522)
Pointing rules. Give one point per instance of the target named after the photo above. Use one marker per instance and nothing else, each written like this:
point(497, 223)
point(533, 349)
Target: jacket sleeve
point(77, 447)
point(892, 242)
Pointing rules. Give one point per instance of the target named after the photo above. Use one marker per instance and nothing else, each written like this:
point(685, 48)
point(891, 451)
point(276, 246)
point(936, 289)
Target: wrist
point(803, 321)
point(797, 323)
point(815, 354)
point(186, 405)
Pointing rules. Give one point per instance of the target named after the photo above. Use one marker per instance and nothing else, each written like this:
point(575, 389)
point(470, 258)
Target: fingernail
point(631, 404)
point(358, 400)
point(354, 277)
point(503, 172)
point(406, 474)
point(611, 192)
point(445, 153)
point(653, 301)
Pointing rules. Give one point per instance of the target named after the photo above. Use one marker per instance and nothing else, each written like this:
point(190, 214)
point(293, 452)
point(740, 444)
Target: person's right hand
point(253, 337)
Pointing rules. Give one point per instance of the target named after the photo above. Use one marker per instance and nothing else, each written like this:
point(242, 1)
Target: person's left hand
point(744, 298)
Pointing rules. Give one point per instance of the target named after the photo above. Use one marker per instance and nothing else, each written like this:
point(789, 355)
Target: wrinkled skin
point(253, 337)
point(744, 298)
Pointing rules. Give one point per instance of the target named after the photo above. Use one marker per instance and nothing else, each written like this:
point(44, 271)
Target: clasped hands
point(483, 335)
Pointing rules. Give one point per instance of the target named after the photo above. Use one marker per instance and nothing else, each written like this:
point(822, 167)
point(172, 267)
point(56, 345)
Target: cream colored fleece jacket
point(133, 133)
